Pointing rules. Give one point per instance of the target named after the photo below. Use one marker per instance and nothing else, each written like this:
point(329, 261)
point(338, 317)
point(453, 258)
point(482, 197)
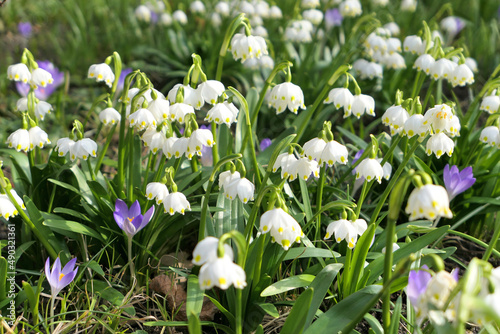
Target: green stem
point(121, 149)
point(239, 20)
point(239, 317)
point(105, 149)
point(319, 197)
point(215, 151)
point(130, 179)
point(91, 170)
point(159, 171)
point(345, 283)
point(366, 187)
point(52, 299)
point(417, 85)
point(493, 240)
point(386, 305)
point(130, 262)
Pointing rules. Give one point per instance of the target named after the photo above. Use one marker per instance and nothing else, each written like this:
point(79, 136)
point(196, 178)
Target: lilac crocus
point(121, 80)
point(455, 181)
point(131, 220)
point(417, 284)
point(265, 143)
point(333, 18)
point(356, 158)
point(25, 29)
point(59, 279)
point(43, 93)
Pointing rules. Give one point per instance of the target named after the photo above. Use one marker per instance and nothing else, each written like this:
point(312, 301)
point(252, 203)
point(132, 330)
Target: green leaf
point(346, 314)
point(72, 213)
point(95, 267)
point(296, 320)
point(33, 300)
point(287, 284)
point(320, 285)
point(62, 225)
point(98, 189)
point(184, 323)
point(358, 259)
point(269, 309)
point(307, 252)
point(396, 315)
point(110, 294)
point(194, 302)
point(374, 324)
point(65, 185)
point(194, 324)
point(3, 277)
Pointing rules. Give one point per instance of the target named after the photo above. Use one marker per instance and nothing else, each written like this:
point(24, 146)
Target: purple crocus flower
point(121, 80)
point(43, 93)
point(25, 29)
point(265, 143)
point(333, 18)
point(455, 181)
point(356, 158)
point(131, 220)
point(417, 283)
point(58, 279)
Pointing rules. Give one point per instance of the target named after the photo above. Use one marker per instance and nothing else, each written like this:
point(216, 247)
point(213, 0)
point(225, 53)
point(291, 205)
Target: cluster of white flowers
point(395, 117)
point(234, 185)
point(291, 167)
point(371, 169)
point(217, 271)
point(7, 209)
point(325, 152)
point(357, 105)
point(456, 74)
point(428, 201)
point(36, 78)
point(347, 230)
point(286, 95)
point(172, 202)
point(42, 108)
point(299, 31)
point(384, 50)
point(264, 62)
point(27, 140)
point(176, 147)
point(102, 72)
point(443, 124)
point(82, 148)
point(283, 228)
point(247, 47)
point(350, 8)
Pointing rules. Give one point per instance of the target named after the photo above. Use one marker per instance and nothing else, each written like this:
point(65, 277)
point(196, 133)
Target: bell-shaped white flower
point(360, 225)
point(414, 126)
point(224, 112)
point(334, 152)
point(143, 13)
point(177, 147)
point(64, 145)
point(299, 31)
point(393, 45)
point(192, 97)
point(215, 20)
point(394, 61)
point(283, 228)
point(82, 149)
point(393, 28)
point(7, 209)
point(350, 8)
point(206, 251)
point(175, 202)
point(180, 17)
point(314, 148)
point(287, 95)
point(462, 75)
point(414, 44)
point(428, 201)
point(42, 108)
point(142, 119)
point(211, 90)
point(395, 117)
point(305, 167)
point(472, 64)
point(275, 12)
point(157, 191)
point(198, 139)
point(154, 140)
point(19, 72)
point(310, 3)
point(226, 177)
point(197, 7)
point(222, 8)
point(314, 16)
point(286, 162)
point(38, 137)
point(440, 144)
point(343, 229)
point(490, 135)
point(22, 104)
point(246, 47)
point(266, 62)
point(160, 108)
point(109, 116)
point(259, 31)
point(370, 169)
point(102, 72)
point(41, 77)
point(442, 69)
point(240, 187)
point(375, 42)
point(362, 104)
point(19, 140)
point(179, 111)
point(341, 98)
point(424, 63)
point(166, 19)
point(222, 272)
point(490, 103)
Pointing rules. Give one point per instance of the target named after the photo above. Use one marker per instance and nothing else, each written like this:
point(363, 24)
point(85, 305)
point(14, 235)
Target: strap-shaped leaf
point(296, 320)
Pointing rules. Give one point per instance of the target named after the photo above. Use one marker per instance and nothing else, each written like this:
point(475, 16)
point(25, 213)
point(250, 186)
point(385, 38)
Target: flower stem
point(121, 150)
point(366, 187)
point(319, 197)
point(131, 262)
point(386, 305)
point(215, 151)
point(493, 240)
point(104, 149)
point(52, 300)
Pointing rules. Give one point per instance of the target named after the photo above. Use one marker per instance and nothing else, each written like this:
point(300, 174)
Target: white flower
point(175, 202)
point(222, 8)
point(428, 201)
point(343, 229)
point(275, 12)
point(266, 62)
point(314, 16)
point(176, 147)
point(395, 117)
point(394, 61)
point(440, 144)
point(387, 167)
point(198, 139)
point(226, 177)
point(393, 45)
point(216, 20)
point(192, 97)
point(286, 162)
point(38, 137)
point(19, 72)
point(224, 112)
point(153, 139)
point(299, 31)
point(64, 145)
point(332, 153)
point(441, 118)
point(442, 69)
point(313, 148)
point(490, 135)
point(197, 7)
point(143, 13)
point(360, 226)
point(283, 228)
point(471, 63)
point(178, 111)
point(180, 17)
point(109, 116)
point(367, 70)
point(310, 3)
point(393, 28)
point(409, 5)
point(222, 272)
point(206, 251)
point(452, 25)
point(240, 187)
point(375, 42)
point(341, 98)
point(7, 209)
point(287, 95)
point(350, 8)
point(142, 119)
point(102, 72)
point(22, 104)
point(160, 108)
point(370, 169)
point(42, 108)
point(424, 63)
point(19, 140)
point(259, 31)
point(462, 75)
point(304, 168)
point(490, 103)
point(156, 190)
point(166, 19)
point(414, 126)
point(414, 44)
point(211, 90)
point(40, 77)
point(245, 47)
point(362, 104)
point(82, 149)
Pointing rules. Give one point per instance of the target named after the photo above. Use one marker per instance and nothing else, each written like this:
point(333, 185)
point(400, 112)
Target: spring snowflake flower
point(206, 251)
point(341, 98)
point(490, 103)
point(299, 31)
point(142, 119)
point(160, 108)
point(395, 117)
point(175, 202)
point(393, 28)
point(211, 90)
point(259, 31)
point(439, 144)
point(198, 139)
point(452, 25)
point(226, 177)
point(393, 45)
point(442, 69)
point(414, 45)
point(180, 17)
point(19, 72)
point(102, 72)
point(222, 8)
point(82, 149)
point(287, 95)
point(490, 135)
point(394, 61)
point(266, 62)
point(216, 20)
point(350, 8)
point(57, 278)
point(64, 145)
point(154, 140)
point(7, 209)
point(424, 63)
point(109, 116)
point(275, 12)
point(414, 126)
point(19, 140)
point(462, 75)
point(246, 47)
point(240, 187)
point(286, 162)
point(428, 201)
point(222, 272)
point(362, 104)
point(143, 13)
point(304, 168)
point(408, 5)
point(370, 169)
point(367, 70)
point(283, 228)
point(310, 3)
point(192, 97)
point(197, 7)
point(131, 221)
point(314, 148)
point(38, 137)
point(179, 111)
point(314, 16)
point(224, 112)
point(334, 152)
point(343, 229)
point(157, 191)
point(175, 147)
point(42, 108)
point(41, 77)
point(442, 119)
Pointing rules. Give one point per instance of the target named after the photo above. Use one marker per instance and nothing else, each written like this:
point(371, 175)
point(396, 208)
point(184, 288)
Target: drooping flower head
point(428, 201)
point(131, 220)
point(59, 279)
point(455, 181)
